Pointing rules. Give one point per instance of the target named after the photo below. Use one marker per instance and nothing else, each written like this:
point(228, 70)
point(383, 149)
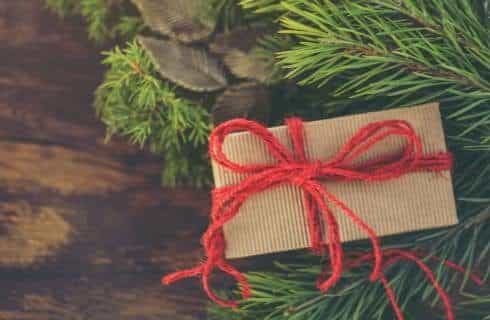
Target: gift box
point(275, 220)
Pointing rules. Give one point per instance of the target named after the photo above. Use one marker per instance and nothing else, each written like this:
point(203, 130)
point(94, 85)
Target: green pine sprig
point(133, 101)
point(106, 19)
point(263, 7)
point(410, 52)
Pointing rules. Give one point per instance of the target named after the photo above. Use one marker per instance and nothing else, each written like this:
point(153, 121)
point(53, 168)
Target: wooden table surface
point(86, 230)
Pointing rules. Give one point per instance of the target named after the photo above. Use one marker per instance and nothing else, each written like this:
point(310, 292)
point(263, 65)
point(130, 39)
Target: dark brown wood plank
point(86, 230)
point(103, 297)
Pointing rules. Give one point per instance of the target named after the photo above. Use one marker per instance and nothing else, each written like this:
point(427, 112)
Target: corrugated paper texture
point(274, 220)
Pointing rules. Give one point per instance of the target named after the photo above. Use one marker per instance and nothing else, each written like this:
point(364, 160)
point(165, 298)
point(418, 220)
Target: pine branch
point(106, 19)
point(134, 102)
point(127, 27)
point(96, 12)
point(384, 49)
point(262, 6)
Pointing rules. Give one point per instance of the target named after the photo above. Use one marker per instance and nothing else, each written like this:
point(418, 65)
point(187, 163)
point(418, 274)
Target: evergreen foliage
point(134, 102)
point(384, 48)
point(106, 19)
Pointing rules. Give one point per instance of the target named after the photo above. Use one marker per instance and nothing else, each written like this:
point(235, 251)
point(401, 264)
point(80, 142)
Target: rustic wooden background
point(86, 230)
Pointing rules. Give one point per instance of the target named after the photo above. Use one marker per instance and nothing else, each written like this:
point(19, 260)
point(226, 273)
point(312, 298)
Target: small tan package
point(275, 220)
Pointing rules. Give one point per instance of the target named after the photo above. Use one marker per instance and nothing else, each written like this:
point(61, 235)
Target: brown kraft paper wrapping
point(275, 220)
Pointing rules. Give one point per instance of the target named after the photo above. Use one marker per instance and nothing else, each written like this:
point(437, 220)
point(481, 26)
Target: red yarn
point(395, 255)
point(294, 168)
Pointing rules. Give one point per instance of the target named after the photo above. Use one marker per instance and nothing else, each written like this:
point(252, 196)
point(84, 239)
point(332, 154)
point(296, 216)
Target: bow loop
point(217, 139)
point(387, 166)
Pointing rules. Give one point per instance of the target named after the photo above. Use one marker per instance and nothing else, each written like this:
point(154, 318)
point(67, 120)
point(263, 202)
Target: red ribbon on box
point(294, 168)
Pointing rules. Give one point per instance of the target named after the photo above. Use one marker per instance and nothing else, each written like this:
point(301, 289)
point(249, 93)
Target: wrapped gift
point(275, 220)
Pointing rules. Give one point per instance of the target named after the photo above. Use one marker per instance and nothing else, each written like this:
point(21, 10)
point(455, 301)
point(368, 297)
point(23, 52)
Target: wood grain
point(86, 230)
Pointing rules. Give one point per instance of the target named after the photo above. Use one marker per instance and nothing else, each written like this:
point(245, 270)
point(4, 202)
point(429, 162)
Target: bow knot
point(293, 167)
point(308, 172)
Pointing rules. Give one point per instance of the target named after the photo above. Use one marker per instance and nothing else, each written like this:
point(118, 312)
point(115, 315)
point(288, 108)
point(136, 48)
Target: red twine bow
point(294, 168)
